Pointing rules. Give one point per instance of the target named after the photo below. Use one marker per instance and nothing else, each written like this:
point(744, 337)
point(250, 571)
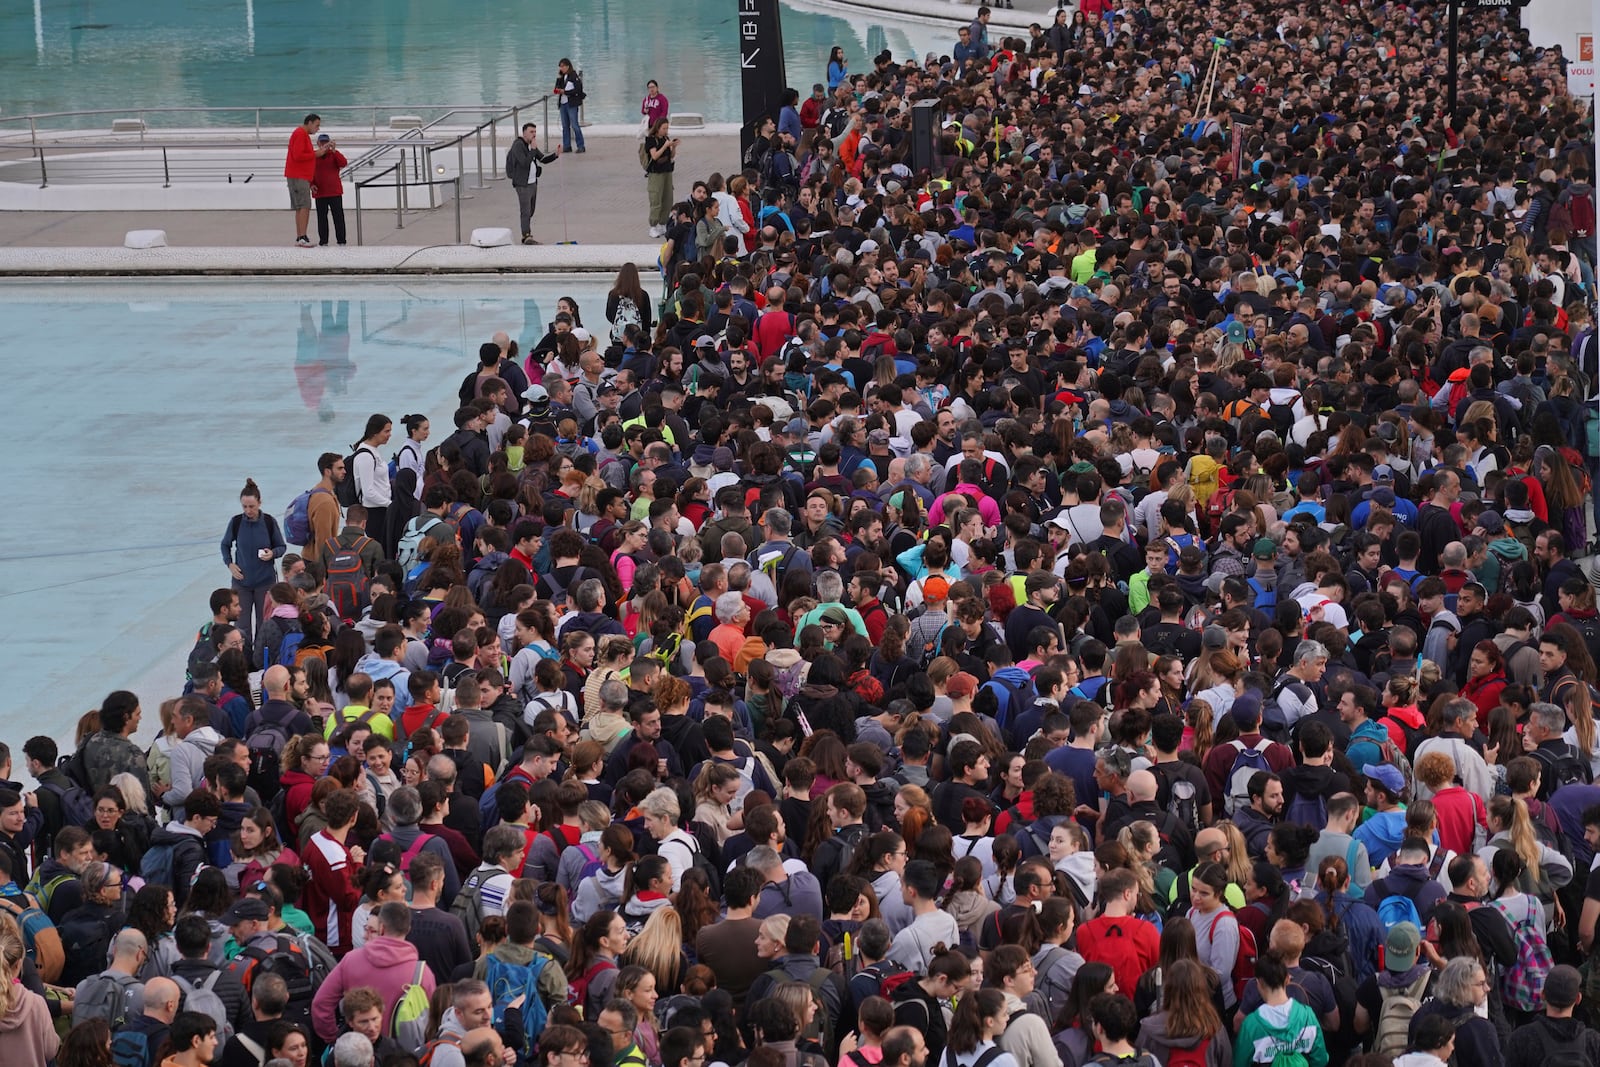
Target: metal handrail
point(39, 151)
point(371, 110)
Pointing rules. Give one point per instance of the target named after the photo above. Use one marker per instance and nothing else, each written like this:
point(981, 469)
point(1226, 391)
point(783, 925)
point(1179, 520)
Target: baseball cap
point(321, 137)
point(1214, 636)
point(961, 684)
point(1562, 985)
point(1265, 548)
point(869, 245)
point(722, 458)
point(936, 586)
point(537, 396)
point(797, 427)
point(247, 910)
point(1388, 777)
point(705, 340)
point(1491, 522)
point(1400, 948)
point(878, 437)
point(1383, 496)
point(1383, 473)
point(582, 335)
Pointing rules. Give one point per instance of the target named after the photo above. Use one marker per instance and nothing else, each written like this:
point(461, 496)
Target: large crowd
point(1113, 598)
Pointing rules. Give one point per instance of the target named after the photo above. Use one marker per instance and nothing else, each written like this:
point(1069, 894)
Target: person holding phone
point(569, 89)
point(661, 151)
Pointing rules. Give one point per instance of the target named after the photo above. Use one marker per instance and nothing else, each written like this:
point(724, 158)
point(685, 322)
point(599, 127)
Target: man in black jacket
point(524, 161)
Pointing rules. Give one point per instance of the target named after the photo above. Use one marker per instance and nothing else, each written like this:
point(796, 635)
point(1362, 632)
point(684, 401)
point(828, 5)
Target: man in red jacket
point(300, 168)
point(333, 890)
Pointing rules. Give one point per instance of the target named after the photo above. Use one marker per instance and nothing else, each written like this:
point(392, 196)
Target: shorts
point(299, 194)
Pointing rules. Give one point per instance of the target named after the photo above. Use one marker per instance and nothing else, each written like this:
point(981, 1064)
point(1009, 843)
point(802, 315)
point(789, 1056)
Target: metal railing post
point(546, 126)
point(461, 159)
point(359, 241)
point(400, 193)
point(44, 175)
point(166, 169)
point(494, 148)
point(458, 209)
point(478, 136)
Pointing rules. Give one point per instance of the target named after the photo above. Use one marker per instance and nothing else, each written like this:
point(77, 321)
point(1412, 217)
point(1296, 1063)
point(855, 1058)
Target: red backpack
point(347, 577)
point(1189, 1057)
point(578, 988)
point(1244, 964)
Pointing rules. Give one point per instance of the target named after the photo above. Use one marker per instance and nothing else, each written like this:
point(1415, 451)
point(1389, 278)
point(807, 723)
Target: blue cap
point(1388, 777)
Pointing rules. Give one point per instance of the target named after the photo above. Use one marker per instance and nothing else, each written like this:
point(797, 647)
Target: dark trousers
point(327, 205)
point(527, 203)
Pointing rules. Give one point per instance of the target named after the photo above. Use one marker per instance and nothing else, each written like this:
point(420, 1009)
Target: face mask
point(514, 457)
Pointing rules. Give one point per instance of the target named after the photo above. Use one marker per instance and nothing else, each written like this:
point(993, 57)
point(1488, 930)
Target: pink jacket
point(387, 964)
point(986, 505)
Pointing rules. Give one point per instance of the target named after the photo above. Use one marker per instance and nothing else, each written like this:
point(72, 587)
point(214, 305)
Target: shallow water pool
point(137, 409)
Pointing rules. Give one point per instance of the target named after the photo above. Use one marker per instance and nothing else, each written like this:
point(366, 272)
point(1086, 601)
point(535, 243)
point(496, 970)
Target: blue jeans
point(569, 127)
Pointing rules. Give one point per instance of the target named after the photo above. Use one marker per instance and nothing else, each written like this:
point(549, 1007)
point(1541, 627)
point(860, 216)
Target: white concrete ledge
point(289, 260)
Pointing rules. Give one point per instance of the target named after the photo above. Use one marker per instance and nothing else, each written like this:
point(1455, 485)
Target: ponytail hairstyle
point(966, 878)
point(413, 423)
point(966, 1027)
point(1333, 874)
point(1512, 814)
point(375, 424)
point(12, 952)
point(250, 489)
point(586, 942)
point(1508, 870)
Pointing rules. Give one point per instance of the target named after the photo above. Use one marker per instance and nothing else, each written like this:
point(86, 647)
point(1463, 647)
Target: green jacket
point(1283, 1034)
point(552, 980)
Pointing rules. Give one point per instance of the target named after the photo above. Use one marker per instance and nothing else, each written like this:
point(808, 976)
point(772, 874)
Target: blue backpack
point(288, 649)
point(297, 520)
point(1395, 909)
point(1266, 599)
point(1013, 697)
point(130, 1048)
point(156, 866)
point(506, 981)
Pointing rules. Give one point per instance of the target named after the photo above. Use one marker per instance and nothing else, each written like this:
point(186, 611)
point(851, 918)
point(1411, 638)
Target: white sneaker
point(655, 231)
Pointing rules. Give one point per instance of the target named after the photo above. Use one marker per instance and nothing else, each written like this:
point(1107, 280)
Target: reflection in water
point(322, 364)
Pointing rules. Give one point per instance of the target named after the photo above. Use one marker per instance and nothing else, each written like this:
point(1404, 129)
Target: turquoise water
point(137, 409)
point(318, 53)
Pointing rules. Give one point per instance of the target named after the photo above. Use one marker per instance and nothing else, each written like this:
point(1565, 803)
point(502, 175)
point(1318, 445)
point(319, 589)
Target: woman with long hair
point(1216, 927)
point(881, 860)
point(595, 950)
point(1188, 1018)
point(714, 791)
point(658, 948)
point(695, 905)
point(1344, 911)
point(256, 847)
point(555, 932)
point(628, 305)
point(1562, 495)
point(1543, 870)
point(637, 985)
point(87, 1044)
point(370, 477)
point(1073, 1028)
point(603, 889)
point(914, 809)
point(127, 831)
point(31, 1038)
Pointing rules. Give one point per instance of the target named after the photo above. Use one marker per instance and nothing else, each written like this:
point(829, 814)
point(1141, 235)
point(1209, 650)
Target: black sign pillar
point(760, 64)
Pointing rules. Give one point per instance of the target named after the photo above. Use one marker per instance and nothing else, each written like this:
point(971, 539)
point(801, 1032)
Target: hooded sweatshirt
point(188, 767)
point(377, 668)
point(1080, 867)
point(27, 1031)
point(1153, 1038)
point(188, 853)
point(386, 964)
point(599, 891)
point(1272, 1029)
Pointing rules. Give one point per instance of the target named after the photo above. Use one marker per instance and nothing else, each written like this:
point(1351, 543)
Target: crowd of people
point(1112, 599)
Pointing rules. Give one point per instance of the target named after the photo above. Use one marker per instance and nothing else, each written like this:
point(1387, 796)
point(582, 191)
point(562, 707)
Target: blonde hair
point(775, 927)
point(132, 791)
point(11, 952)
point(658, 948)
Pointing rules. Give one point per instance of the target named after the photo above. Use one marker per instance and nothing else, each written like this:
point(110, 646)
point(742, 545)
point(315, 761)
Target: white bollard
point(491, 237)
point(145, 239)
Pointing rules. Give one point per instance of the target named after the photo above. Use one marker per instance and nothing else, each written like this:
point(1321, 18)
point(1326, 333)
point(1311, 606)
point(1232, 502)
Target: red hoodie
point(332, 892)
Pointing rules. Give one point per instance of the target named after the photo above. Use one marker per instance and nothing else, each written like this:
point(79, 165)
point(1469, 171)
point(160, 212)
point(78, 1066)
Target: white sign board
point(1580, 69)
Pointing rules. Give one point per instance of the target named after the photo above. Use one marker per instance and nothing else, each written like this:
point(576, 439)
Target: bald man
point(483, 1047)
point(1177, 843)
point(161, 999)
point(1210, 846)
point(279, 717)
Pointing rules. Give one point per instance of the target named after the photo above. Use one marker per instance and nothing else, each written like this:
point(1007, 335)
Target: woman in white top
point(413, 449)
point(371, 474)
point(980, 1019)
point(661, 811)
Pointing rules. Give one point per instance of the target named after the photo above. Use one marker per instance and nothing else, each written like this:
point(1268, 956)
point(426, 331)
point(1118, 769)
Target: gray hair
point(1454, 555)
point(662, 803)
point(1306, 651)
point(132, 791)
point(729, 605)
point(763, 858)
point(590, 594)
point(777, 522)
point(1454, 985)
point(466, 989)
point(404, 806)
point(352, 1050)
point(441, 769)
point(738, 573)
point(624, 1010)
point(613, 695)
point(916, 463)
point(1550, 717)
point(128, 941)
point(830, 587)
point(1459, 709)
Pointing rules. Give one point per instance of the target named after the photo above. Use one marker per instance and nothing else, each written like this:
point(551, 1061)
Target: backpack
point(468, 905)
point(644, 162)
point(578, 988)
point(297, 519)
point(1244, 964)
point(131, 1048)
point(407, 552)
point(705, 842)
point(1282, 416)
point(264, 744)
point(40, 938)
point(1182, 798)
point(452, 1040)
point(1400, 1003)
point(508, 980)
point(409, 1024)
point(1523, 982)
point(156, 866)
point(591, 861)
point(347, 578)
point(1581, 209)
point(1395, 909)
point(411, 853)
point(821, 1027)
point(1246, 762)
point(1308, 810)
point(44, 892)
point(1013, 697)
point(348, 492)
point(1567, 769)
point(1189, 1057)
point(289, 650)
point(1274, 720)
point(775, 564)
point(1221, 500)
point(203, 998)
point(300, 960)
point(1266, 598)
point(107, 995)
point(77, 804)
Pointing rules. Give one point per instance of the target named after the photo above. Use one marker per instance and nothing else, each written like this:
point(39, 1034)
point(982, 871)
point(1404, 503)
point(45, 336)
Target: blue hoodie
point(1382, 833)
point(376, 668)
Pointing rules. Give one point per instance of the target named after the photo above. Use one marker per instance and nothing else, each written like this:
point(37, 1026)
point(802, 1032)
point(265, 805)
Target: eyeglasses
point(578, 1053)
point(612, 1032)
